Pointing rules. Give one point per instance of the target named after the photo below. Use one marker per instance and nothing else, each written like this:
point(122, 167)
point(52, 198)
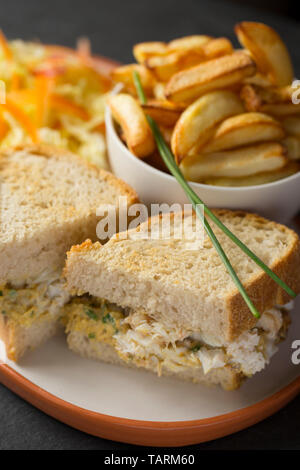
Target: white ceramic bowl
point(279, 200)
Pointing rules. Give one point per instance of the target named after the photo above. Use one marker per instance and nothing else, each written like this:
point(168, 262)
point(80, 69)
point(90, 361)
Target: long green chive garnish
point(169, 160)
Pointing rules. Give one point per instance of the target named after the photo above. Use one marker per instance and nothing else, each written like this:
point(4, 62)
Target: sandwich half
point(168, 305)
point(48, 202)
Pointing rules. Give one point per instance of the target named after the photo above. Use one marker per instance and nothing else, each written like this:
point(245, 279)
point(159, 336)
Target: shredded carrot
point(22, 118)
point(15, 82)
point(5, 47)
point(23, 97)
point(43, 87)
point(4, 127)
point(66, 106)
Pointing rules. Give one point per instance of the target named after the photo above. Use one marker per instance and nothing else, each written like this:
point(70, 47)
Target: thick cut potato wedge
point(189, 43)
point(292, 144)
point(262, 178)
point(217, 48)
point(235, 163)
point(163, 67)
point(281, 109)
point(291, 124)
point(130, 116)
point(209, 47)
point(214, 74)
point(185, 53)
point(258, 79)
point(254, 97)
point(268, 50)
point(163, 112)
point(244, 129)
point(166, 133)
point(124, 74)
point(197, 123)
point(145, 50)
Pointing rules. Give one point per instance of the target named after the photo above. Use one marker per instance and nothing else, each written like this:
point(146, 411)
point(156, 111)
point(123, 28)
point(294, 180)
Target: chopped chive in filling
point(90, 313)
point(108, 319)
point(13, 293)
point(196, 348)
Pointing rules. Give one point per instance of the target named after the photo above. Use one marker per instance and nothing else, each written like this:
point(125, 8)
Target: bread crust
point(19, 339)
point(264, 292)
point(5, 334)
point(49, 151)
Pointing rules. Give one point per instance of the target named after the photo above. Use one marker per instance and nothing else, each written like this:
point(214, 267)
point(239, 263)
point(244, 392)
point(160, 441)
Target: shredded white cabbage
point(61, 128)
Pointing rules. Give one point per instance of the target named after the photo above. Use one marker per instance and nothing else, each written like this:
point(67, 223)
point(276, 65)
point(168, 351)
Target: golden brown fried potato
point(124, 74)
point(217, 48)
point(262, 178)
point(291, 124)
point(215, 74)
point(244, 129)
point(292, 144)
point(163, 112)
point(236, 163)
point(189, 43)
point(159, 91)
point(258, 80)
point(166, 133)
point(163, 67)
point(268, 50)
point(185, 53)
point(207, 46)
point(197, 123)
point(281, 109)
point(255, 96)
point(130, 116)
point(145, 50)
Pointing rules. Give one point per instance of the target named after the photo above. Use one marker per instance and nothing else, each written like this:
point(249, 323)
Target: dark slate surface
point(113, 27)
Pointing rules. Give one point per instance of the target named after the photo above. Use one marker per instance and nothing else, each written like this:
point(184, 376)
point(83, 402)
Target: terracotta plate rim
point(150, 433)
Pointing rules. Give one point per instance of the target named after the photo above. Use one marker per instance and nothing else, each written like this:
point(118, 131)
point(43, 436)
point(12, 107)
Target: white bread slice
point(185, 287)
point(48, 202)
point(227, 376)
point(19, 339)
